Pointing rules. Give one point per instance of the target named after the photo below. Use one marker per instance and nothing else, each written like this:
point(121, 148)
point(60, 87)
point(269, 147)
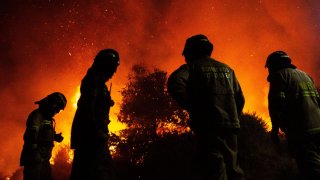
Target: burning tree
point(147, 109)
point(146, 105)
point(149, 112)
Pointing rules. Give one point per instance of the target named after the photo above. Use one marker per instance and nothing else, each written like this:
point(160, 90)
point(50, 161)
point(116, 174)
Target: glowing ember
point(166, 128)
point(70, 155)
point(113, 150)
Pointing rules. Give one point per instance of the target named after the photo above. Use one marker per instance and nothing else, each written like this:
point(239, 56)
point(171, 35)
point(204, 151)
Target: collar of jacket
point(196, 59)
point(274, 70)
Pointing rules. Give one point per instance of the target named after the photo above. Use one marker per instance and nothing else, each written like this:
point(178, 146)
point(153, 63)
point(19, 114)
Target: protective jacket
point(90, 124)
point(210, 91)
point(38, 138)
point(294, 102)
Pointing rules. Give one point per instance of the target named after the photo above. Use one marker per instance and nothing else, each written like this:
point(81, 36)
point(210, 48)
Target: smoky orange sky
point(48, 45)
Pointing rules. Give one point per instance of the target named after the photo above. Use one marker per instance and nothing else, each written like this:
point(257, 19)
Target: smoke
point(47, 46)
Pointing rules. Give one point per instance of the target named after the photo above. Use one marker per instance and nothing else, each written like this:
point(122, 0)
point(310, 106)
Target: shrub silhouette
point(258, 156)
point(62, 167)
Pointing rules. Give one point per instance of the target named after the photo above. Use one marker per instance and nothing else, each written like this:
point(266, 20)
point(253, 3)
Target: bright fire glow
point(48, 46)
point(167, 128)
point(114, 127)
point(75, 98)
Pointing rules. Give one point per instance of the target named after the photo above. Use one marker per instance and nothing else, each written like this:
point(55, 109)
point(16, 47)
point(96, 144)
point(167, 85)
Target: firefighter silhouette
point(89, 134)
point(210, 92)
point(294, 108)
point(39, 137)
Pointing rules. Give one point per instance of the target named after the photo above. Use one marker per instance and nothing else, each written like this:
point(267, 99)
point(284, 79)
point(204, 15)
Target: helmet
point(55, 98)
point(278, 59)
point(197, 46)
point(106, 59)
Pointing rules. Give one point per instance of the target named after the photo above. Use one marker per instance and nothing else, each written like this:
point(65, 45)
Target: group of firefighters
point(208, 90)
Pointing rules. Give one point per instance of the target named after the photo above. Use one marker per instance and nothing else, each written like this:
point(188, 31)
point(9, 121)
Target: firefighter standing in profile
point(39, 137)
point(89, 134)
point(294, 108)
point(210, 92)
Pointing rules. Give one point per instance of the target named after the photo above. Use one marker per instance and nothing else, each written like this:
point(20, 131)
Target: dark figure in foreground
point(294, 108)
point(39, 137)
point(210, 92)
point(89, 134)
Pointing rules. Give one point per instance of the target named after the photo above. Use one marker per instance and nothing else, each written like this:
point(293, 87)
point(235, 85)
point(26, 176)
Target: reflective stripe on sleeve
point(282, 95)
point(309, 94)
point(47, 122)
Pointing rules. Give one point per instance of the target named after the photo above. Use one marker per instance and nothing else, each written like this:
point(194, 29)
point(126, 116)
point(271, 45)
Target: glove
point(58, 137)
point(275, 136)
